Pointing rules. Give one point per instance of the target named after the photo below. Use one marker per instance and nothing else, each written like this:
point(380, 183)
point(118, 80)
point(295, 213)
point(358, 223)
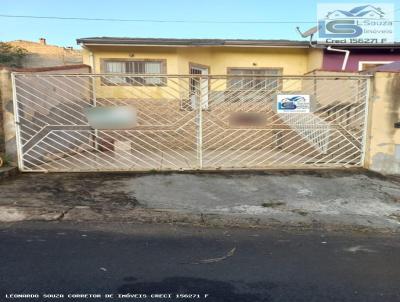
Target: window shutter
point(116, 67)
point(254, 83)
point(153, 68)
point(135, 67)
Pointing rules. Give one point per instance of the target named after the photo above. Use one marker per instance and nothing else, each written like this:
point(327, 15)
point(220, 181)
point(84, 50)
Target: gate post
point(199, 118)
point(8, 111)
point(366, 128)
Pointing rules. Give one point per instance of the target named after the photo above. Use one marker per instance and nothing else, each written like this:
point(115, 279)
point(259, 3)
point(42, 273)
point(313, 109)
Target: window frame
point(362, 63)
point(279, 75)
point(163, 65)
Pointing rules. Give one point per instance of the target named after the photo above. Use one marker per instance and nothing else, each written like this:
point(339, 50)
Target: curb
point(161, 216)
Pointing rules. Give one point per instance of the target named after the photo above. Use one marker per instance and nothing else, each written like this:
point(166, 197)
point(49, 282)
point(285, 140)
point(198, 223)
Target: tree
point(11, 55)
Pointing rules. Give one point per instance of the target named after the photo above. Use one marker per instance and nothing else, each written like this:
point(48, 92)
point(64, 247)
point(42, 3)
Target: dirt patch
point(300, 212)
point(64, 189)
point(273, 204)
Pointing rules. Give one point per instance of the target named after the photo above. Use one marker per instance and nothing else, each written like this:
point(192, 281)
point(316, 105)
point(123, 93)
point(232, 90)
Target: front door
point(199, 87)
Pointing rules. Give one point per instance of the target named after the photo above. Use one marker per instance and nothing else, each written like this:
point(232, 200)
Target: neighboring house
point(362, 57)
point(43, 55)
point(392, 67)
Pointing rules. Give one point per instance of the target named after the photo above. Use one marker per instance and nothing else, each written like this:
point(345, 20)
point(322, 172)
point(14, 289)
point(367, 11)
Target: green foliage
point(7, 160)
point(11, 55)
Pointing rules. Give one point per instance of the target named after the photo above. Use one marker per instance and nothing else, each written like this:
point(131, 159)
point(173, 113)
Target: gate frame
point(17, 124)
point(199, 119)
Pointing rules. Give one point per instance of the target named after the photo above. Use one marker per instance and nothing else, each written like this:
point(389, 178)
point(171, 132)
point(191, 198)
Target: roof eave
point(88, 44)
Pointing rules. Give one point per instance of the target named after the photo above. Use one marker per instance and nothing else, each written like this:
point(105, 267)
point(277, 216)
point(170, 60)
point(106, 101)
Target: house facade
point(193, 57)
point(212, 56)
point(225, 57)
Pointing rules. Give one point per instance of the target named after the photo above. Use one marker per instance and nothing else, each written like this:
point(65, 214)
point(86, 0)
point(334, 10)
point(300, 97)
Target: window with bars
point(258, 82)
point(143, 67)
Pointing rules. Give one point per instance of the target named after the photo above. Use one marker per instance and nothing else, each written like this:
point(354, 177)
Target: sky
point(65, 32)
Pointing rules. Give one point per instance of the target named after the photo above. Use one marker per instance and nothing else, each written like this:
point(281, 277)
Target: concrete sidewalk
point(328, 199)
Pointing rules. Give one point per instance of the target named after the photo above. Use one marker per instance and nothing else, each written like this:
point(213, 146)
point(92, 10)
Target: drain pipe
point(346, 56)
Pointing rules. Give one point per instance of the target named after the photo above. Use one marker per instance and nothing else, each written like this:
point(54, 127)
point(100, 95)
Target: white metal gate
point(232, 124)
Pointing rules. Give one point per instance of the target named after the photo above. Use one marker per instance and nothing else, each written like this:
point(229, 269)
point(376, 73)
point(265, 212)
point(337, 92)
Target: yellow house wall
point(293, 61)
point(315, 57)
point(219, 59)
point(187, 55)
point(137, 53)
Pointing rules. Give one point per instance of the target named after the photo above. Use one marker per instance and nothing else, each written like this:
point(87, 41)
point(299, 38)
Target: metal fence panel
point(189, 122)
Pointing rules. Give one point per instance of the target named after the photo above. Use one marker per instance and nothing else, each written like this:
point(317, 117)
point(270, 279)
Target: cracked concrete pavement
point(329, 199)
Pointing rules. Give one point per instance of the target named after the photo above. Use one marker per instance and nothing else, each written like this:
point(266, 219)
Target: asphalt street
point(129, 262)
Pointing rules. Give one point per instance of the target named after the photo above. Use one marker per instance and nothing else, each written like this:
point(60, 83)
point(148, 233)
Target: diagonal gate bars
point(186, 122)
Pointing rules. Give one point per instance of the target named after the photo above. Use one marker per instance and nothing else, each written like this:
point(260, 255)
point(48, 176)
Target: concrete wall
point(346, 88)
point(383, 154)
point(41, 54)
